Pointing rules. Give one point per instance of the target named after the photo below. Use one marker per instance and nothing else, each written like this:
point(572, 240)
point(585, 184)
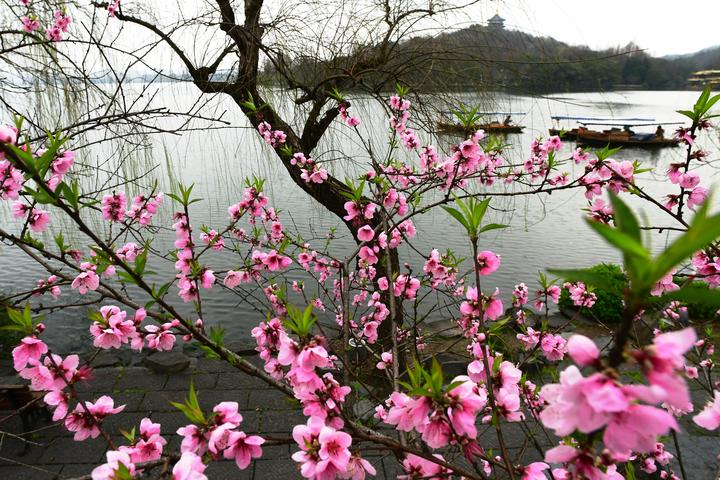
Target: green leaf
point(123, 473)
point(129, 436)
point(24, 155)
point(15, 328)
point(126, 277)
point(492, 226)
point(710, 103)
point(453, 385)
point(174, 197)
point(70, 193)
point(163, 289)
point(624, 218)
point(478, 212)
point(249, 103)
point(141, 261)
point(624, 242)
point(709, 296)
point(606, 152)
point(41, 196)
point(688, 113)
point(701, 233)
point(336, 94)
point(629, 471)
point(191, 407)
point(458, 216)
point(436, 372)
point(702, 99)
point(44, 161)
point(22, 320)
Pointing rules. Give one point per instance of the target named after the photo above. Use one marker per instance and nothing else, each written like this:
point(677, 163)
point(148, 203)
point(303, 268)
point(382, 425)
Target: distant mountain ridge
point(491, 58)
point(522, 62)
point(496, 59)
point(708, 53)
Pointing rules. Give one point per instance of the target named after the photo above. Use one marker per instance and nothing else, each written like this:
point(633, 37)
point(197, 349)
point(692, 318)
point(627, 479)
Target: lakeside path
point(53, 454)
point(145, 392)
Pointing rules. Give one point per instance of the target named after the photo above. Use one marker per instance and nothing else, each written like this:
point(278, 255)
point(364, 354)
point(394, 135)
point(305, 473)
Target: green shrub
point(700, 311)
point(609, 307)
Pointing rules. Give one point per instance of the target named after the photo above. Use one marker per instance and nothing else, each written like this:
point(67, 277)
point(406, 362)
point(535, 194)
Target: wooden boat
point(494, 127)
point(564, 134)
point(572, 133)
point(614, 136)
point(449, 122)
point(622, 138)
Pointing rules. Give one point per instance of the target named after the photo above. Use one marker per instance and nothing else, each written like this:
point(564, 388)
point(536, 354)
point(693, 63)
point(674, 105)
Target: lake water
point(546, 231)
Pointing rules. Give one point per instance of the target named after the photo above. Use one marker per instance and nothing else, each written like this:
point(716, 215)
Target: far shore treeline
point(496, 59)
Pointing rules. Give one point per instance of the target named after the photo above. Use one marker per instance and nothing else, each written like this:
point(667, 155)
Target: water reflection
point(546, 231)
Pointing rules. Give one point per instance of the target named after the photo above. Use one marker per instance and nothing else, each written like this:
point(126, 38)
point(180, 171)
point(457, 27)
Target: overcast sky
point(663, 27)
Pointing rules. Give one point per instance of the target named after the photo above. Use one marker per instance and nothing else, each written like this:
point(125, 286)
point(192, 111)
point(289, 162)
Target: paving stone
point(181, 381)
point(364, 409)
point(167, 362)
point(17, 450)
point(72, 470)
point(103, 381)
point(229, 470)
point(699, 455)
point(160, 401)
point(242, 348)
point(251, 422)
point(269, 468)
point(209, 398)
point(213, 365)
point(107, 358)
point(64, 448)
point(238, 381)
point(391, 468)
point(29, 472)
point(14, 424)
point(174, 442)
point(278, 421)
point(278, 451)
point(512, 433)
point(123, 421)
point(140, 378)
point(265, 411)
point(271, 399)
point(131, 400)
point(255, 360)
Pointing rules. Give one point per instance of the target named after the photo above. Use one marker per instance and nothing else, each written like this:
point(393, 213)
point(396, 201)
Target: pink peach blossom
point(189, 467)
point(709, 417)
point(582, 350)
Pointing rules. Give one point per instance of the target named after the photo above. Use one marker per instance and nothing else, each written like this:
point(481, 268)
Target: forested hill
point(487, 58)
point(515, 61)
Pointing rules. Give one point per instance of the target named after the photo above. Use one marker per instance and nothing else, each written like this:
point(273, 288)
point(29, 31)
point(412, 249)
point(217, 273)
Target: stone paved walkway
point(55, 455)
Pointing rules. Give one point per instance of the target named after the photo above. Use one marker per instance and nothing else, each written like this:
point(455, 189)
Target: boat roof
point(707, 72)
point(601, 119)
point(626, 124)
point(489, 113)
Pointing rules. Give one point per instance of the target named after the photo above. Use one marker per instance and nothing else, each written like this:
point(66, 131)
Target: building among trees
point(496, 22)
